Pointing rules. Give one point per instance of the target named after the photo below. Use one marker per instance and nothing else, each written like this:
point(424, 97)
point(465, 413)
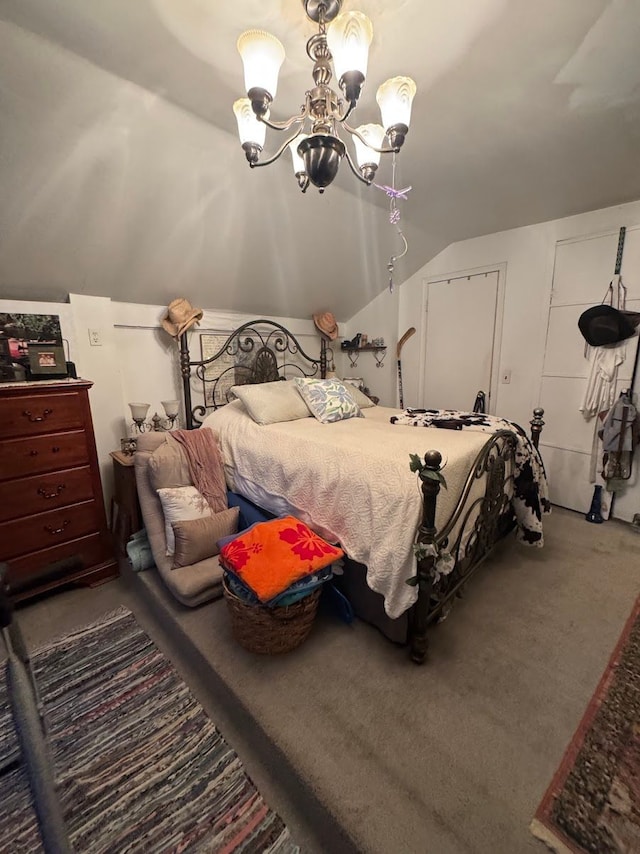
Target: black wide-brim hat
point(604, 324)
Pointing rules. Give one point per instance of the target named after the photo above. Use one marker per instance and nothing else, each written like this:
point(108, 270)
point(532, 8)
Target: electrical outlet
point(95, 338)
point(506, 376)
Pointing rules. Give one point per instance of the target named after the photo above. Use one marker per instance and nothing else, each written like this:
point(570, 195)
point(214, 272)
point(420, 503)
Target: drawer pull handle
point(33, 453)
point(55, 449)
point(34, 419)
point(54, 531)
point(56, 492)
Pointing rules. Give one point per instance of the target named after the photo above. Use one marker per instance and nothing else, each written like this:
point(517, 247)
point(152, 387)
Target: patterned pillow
point(180, 503)
point(328, 400)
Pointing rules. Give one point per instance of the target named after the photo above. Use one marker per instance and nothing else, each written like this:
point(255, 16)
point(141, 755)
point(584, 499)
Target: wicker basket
point(270, 630)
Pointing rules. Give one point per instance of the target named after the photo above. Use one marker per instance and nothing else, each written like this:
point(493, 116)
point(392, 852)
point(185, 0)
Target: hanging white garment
point(600, 393)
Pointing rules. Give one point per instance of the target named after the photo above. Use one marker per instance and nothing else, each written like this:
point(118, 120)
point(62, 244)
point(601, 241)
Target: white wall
point(528, 254)
point(379, 319)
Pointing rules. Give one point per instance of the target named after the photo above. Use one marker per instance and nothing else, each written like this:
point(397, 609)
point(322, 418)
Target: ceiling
point(121, 174)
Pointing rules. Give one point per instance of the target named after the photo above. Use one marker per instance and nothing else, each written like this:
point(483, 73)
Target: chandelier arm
point(354, 170)
point(355, 132)
point(279, 151)
point(285, 125)
point(343, 119)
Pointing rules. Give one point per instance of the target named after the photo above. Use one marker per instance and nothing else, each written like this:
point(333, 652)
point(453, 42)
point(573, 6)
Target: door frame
point(501, 270)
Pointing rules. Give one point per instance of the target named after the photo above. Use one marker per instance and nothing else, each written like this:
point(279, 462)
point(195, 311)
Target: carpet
point(139, 766)
point(593, 802)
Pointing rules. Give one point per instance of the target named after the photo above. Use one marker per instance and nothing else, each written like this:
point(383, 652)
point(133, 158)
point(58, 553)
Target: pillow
point(168, 466)
point(328, 400)
point(268, 403)
point(359, 396)
point(178, 505)
point(197, 539)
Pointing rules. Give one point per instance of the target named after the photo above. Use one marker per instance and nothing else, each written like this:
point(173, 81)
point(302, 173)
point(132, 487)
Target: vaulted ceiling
point(121, 174)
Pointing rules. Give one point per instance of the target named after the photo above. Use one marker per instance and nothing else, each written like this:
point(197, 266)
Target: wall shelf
point(354, 352)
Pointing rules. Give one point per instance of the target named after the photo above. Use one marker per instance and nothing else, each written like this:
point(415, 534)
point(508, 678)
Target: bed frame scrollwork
point(269, 352)
point(476, 537)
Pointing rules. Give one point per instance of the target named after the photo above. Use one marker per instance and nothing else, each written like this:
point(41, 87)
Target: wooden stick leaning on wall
point(410, 331)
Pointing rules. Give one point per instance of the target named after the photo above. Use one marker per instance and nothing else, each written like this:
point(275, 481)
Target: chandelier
point(345, 39)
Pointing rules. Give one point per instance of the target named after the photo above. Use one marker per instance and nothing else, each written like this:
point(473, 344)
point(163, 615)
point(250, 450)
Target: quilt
point(349, 481)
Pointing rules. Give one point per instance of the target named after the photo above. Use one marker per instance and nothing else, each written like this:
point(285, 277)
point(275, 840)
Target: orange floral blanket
point(270, 556)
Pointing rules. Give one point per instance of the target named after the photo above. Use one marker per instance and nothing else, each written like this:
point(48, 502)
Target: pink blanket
point(205, 465)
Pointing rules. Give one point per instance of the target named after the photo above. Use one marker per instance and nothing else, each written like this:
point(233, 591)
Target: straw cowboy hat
point(326, 325)
point(181, 316)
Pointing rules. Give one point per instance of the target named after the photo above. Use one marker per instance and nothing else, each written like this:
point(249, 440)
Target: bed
point(416, 510)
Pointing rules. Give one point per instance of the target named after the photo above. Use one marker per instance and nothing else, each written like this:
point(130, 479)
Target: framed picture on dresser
point(46, 361)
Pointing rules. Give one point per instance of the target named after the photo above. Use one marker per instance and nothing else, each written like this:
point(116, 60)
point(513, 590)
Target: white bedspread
point(349, 480)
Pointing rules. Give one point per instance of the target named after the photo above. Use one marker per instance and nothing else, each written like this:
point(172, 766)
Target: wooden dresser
point(53, 526)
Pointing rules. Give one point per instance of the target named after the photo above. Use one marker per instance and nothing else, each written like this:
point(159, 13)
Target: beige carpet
point(452, 757)
point(449, 758)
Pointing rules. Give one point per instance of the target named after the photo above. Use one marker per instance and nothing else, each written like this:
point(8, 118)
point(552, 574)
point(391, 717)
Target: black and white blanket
point(531, 493)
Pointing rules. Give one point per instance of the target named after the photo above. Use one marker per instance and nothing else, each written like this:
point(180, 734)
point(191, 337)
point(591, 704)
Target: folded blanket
point(270, 556)
point(531, 491)
point(139, 552)
point(205, 465)
point(300, 589)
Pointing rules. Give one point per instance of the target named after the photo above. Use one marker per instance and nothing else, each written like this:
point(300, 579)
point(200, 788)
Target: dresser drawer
point(41, 492)
point(47, 529)
point(23, 457)
point(34, 413)
point(89, 551)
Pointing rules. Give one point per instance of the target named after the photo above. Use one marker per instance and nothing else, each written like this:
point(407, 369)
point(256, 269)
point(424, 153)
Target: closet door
point(582, 271)
point(459, 340)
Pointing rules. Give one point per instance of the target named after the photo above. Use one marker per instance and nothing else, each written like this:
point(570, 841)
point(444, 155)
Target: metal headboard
point(260, 343)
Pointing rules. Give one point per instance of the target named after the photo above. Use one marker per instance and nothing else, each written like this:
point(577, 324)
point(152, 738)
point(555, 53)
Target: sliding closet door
point(459, 346)
point(582, 271)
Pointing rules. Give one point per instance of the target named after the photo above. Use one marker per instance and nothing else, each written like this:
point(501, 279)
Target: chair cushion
point(191, 585)
point(168, 466)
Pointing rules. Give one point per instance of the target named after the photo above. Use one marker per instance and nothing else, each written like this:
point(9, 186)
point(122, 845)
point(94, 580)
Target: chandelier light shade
point(313, 135)
point(299, 168)
point(369, 151)
point(262, 55)
point(252, 133)
point(394, 99)
point(348, 38)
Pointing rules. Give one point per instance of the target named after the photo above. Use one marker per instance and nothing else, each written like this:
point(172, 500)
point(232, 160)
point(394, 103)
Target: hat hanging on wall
point(603, 324)
point(181, 316)
point(326, 324)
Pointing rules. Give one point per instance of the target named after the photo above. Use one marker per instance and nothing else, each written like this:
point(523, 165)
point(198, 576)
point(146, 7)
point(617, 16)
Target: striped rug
point(140, 767)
